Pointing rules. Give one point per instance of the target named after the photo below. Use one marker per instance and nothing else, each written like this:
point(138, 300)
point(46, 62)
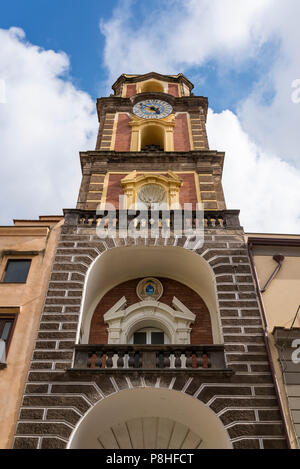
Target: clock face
point(152, 109)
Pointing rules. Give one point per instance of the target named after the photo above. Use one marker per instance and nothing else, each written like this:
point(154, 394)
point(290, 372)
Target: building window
point(16, 271)
point(149, 336)
point(6, 329)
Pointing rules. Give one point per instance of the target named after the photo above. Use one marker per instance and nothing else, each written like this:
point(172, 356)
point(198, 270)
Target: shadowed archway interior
point(170, 420)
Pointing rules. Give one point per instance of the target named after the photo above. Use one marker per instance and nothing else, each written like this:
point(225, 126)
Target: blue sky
point(72, 26)
point(64, 54)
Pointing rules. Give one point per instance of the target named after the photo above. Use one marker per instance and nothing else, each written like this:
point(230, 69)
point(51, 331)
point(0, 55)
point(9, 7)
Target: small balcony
point(162, 358)
point(155, 220)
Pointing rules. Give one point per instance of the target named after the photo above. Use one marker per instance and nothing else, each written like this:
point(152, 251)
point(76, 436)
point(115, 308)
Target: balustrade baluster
point(120, 361)
point(98, 361)
point(109, 358)
point(131, 360)
point(166, 360)
point(189, 359)
point(177, 354)
point(206, 360)
point(91, 360)
point(199, 361)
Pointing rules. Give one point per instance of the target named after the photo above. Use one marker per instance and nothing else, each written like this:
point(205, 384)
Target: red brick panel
point(181, 133)
point(201, 330)
point(123, 135)
point(187, 192)
point(173, 90)
point(131, 90)
point(114, 189)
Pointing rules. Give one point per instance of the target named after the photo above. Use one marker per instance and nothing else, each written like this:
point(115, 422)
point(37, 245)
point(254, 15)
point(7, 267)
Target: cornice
point(200, 158)
point(8, 231)
point(180, 78)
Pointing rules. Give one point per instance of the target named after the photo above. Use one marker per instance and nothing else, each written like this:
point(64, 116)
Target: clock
point(152, 109)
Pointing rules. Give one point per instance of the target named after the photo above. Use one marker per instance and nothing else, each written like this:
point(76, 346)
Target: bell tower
point(145, 342)
point(152, 132)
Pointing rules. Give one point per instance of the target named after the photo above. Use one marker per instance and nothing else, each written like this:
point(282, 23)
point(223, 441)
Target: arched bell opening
point(150, 418)
point(152, 138)
point(151, 86)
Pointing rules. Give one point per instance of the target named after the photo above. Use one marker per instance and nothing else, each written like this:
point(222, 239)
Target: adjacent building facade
point(27, 251)
point(276, 267)
point(152, 333)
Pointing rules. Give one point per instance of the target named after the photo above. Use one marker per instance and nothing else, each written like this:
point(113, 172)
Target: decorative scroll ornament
point(152, 194)
point(149, 289)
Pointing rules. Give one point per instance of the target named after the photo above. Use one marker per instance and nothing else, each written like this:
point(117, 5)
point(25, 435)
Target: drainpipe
point(279, 259)
point(265, 322)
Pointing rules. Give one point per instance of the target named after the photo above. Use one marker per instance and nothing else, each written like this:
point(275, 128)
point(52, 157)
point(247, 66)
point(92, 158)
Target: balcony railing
point(149, 357)
point(170, 219)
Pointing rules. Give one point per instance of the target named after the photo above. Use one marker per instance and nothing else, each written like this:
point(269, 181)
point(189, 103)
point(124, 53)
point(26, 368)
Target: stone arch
point(176, 263)
point(170, 420)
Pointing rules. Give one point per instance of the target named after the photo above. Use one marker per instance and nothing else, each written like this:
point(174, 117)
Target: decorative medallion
point(149, 289)
point(152, 109)
point(151, 194)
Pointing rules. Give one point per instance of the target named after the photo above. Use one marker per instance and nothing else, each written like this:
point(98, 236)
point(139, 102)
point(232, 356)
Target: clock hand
point(156, 109)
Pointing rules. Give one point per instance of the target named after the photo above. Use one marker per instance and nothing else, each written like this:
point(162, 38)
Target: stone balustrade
point(151, 219)
point(149, 357)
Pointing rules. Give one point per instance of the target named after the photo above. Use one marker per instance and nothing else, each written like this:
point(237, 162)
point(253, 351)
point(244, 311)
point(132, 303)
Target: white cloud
point(263, 149)
point(264, 187)
point(276, 125)
point(181, 34)
point(44, 123)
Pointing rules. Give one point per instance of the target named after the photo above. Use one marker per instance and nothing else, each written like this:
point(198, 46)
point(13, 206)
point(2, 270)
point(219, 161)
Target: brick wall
point(187, 192)
point(131, 90)
point(181, 133)
point(123, 135)
point(201, 330)
point(173, 89)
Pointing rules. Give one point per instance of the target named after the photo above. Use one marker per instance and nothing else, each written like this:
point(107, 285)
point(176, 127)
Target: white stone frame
point(123, 321)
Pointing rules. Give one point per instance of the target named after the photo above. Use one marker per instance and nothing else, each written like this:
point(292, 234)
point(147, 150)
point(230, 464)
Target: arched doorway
point(170, 420)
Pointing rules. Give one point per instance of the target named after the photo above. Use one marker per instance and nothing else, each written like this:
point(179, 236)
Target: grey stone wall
point(56, 397)
point(288, 344)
